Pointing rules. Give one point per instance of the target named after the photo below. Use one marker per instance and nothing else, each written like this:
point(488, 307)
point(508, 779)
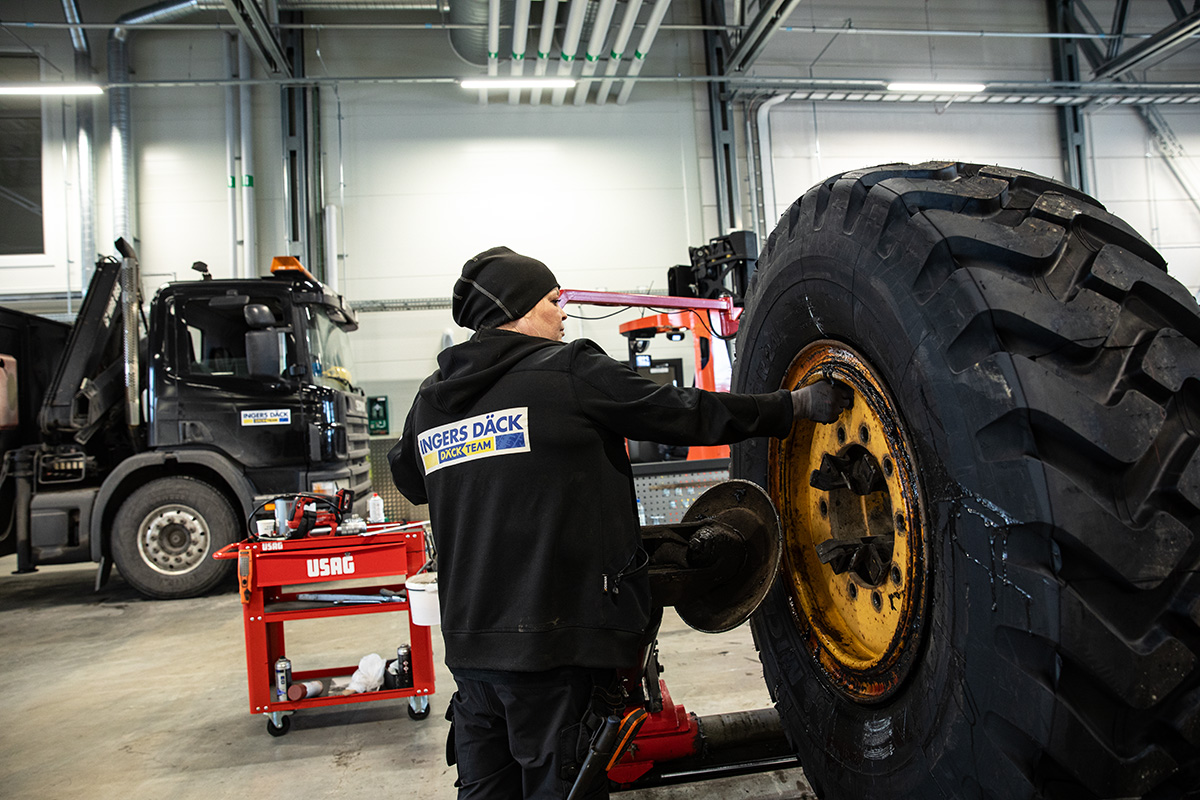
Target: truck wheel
point(991, 569)
point(164, 536)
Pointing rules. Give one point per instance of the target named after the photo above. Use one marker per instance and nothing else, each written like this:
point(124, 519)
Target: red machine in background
point(704, 301)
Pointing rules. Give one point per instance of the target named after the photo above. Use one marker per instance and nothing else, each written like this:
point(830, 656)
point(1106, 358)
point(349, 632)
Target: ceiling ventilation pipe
point(120, 124)
point(639, 55)
point(618, 49)
point(595, 48)
point(566, 59)
point(766, 166)
point(120, 130)
point(231, 152)
point(249, 215)
point(545, 40)
point(85, 131)
point(473, 43)
point(520, 32)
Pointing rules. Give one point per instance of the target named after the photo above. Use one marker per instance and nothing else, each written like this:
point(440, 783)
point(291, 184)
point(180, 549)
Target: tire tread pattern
point(1095, 353)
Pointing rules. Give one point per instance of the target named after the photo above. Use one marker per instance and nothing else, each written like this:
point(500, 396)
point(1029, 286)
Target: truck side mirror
point(264, 353)
point(266, 345)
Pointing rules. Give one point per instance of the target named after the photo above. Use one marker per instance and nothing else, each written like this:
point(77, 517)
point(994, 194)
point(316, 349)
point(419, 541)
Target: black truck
point(144, 437)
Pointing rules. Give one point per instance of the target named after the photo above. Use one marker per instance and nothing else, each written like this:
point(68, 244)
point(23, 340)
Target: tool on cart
point(315, 515)
point(310, 515)
point(384, 596)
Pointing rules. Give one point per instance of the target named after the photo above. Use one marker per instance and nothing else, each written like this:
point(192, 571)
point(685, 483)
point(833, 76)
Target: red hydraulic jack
point(714, 566)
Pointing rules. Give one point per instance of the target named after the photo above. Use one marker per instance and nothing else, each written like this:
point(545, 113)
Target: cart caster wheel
point(285, 724)
point(418, 707)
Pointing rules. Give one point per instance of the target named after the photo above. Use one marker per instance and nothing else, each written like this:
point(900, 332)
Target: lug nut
point(895, 575)
point(824, 508)
point(841, 435)
point(863, 434)
point(899, 521)
point(876, 600)
point(888, 467)
point(852, 590)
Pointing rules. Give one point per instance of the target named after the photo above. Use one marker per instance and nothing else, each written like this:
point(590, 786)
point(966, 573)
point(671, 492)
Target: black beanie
point(499, 286)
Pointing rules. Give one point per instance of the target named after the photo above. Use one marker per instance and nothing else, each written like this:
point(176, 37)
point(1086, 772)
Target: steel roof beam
point(765, 26)
point(253, 25)
point(1120, 16)
point(1156, 47)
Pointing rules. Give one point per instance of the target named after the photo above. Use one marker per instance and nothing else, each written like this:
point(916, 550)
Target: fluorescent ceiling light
point(937, 88)
point(517, 83)
point(49, 88)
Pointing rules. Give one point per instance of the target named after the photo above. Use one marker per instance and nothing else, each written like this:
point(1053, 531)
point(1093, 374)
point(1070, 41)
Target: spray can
point(375, 509)
point(283, 677)
point(404, 675)
point(299, 691)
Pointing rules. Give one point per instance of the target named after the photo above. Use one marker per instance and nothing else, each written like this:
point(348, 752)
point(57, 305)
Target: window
point(329, 347)
point(210, 335)
point(20, 160)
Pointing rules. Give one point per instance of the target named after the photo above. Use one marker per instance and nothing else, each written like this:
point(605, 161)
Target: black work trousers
point(522, 736)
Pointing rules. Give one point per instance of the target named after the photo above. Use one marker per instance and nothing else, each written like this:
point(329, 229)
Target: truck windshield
point(329, 348)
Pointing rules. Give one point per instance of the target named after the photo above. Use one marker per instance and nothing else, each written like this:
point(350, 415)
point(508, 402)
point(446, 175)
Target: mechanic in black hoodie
point(517, 443)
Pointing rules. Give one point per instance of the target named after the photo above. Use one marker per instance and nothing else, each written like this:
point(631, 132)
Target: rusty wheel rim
point(854, 557)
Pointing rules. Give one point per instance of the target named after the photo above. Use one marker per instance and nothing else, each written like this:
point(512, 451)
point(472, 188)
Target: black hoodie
point(518, 445)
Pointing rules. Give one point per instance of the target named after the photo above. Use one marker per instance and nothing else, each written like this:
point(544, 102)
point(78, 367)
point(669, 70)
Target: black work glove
point(822, 401)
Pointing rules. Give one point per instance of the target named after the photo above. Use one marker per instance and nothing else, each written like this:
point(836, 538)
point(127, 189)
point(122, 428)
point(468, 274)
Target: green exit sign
point(377, 415)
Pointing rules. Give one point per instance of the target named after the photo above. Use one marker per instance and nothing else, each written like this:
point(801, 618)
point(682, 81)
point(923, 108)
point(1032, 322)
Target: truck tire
point(165, 534)
point(990, 582)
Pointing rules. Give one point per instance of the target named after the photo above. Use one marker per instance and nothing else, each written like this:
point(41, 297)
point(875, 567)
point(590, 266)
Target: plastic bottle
point(375, 509)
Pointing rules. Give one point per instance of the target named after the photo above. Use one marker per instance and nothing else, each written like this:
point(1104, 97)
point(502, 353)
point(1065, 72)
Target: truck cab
point(262, 372)
point(236, 391)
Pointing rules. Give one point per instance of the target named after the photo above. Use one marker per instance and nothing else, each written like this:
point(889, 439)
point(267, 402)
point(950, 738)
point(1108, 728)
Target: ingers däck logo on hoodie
point(496, 433)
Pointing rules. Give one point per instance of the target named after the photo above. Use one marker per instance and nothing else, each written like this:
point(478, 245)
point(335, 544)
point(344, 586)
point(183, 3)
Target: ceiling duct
point(471, 44)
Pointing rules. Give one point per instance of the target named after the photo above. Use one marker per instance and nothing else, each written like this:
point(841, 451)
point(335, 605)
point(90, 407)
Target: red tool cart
point(269, 571)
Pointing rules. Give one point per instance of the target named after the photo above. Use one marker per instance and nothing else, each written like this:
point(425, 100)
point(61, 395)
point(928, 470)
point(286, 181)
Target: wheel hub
point(854, 553)
point(174, 540)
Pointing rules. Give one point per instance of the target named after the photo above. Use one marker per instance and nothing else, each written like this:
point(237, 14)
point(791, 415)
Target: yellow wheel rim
point(854, 552)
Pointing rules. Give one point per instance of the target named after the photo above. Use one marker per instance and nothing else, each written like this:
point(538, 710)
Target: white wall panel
point(810, 145)
point(1133, 180)
point(1129, 176)
point(590, 193)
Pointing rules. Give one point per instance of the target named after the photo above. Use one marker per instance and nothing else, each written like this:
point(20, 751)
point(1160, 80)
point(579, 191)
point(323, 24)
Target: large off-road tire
point(1011, 605)
point(165, 534)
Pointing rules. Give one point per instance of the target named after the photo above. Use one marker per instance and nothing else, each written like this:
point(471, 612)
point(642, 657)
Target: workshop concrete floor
point(108, 695)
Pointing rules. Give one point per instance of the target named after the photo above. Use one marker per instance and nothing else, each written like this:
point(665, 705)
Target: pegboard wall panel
point(666, 490)
point(395, 507)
